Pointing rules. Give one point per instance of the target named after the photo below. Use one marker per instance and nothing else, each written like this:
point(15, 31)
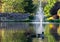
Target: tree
point(18, 6)
point(29, 6)
point(48, 7)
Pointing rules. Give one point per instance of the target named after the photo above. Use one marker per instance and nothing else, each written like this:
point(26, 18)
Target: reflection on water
point(14, 25)
point(14, 31)
point(52, 32)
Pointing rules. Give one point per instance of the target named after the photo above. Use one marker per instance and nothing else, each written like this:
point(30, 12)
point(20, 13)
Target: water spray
point(39, 19)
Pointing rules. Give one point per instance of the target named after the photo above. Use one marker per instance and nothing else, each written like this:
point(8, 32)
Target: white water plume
point(39, 18)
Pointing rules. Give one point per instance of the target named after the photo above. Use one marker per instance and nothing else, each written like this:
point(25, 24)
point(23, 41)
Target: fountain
point(39, 18)
point(39, 21)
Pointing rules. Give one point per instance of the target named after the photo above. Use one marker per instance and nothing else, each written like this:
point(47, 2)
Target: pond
point(15, 32)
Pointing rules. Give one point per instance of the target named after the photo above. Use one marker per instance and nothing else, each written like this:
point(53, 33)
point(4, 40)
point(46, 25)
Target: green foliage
point(7, 5)
point(29, 6)
point(49, 5)
point(55, 21)
point(19, 6)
